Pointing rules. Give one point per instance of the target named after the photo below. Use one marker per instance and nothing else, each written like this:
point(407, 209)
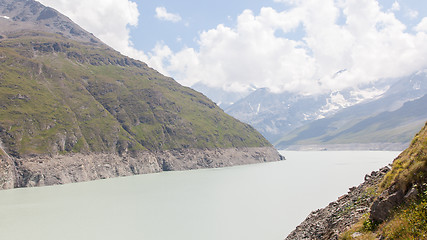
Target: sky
point(302, 46)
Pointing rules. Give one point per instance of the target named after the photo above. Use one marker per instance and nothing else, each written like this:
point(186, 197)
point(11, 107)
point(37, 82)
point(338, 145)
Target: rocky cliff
point(73, 109)
point(78, 167)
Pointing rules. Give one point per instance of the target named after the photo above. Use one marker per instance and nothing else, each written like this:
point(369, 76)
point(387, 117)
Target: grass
point(410, 167)
point(362, 230)
point(408, 223)
point(409, 220)
point(92, 99)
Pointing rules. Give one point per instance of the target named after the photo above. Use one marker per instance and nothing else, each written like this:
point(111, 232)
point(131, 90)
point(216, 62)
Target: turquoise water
point(262, 201)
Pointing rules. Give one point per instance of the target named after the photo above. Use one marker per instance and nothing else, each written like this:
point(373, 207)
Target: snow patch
point(337, 101)
point(368, 94)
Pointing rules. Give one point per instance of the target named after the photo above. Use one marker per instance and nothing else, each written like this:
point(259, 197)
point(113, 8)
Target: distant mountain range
point(381, 115)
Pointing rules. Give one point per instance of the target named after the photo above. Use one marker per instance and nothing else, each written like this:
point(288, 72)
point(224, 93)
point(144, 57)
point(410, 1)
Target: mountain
point(73, 109)
point(389, 204)
point(292, 119)
point(384, 130)
point(388, 122)
point(275, 114)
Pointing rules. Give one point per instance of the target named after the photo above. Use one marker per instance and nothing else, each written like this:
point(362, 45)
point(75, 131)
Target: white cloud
point(412, 13)
point(395, 7)
point(370, 45)
point(163, 14)
point(109, 20)
point(159, 56)
point(422, 26)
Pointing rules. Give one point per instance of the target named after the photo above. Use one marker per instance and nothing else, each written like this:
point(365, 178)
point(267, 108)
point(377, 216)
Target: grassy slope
point(409, 221)
point(58, 96)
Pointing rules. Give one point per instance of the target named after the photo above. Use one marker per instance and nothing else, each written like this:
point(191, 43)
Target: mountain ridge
point(285, 118)
point(393, 127)
point(64, 93)
point(21, 15)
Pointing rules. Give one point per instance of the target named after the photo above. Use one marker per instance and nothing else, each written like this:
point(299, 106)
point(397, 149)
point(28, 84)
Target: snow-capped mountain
point(276, 115)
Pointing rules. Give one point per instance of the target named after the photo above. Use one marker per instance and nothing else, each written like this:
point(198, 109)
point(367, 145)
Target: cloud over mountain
point(109, 20)
point(299, 49)
point(370, 43)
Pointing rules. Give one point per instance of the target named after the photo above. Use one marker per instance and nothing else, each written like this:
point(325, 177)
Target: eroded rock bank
point(62, 169)
point(331, 221)
point(389, 204)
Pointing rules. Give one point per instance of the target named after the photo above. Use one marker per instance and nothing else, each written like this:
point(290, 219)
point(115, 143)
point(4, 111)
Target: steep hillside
point(63, 92)
point(390, 204)
point(64, 96)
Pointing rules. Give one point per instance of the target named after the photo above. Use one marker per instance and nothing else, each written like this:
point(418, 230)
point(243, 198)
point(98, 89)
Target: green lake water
point(252, 202)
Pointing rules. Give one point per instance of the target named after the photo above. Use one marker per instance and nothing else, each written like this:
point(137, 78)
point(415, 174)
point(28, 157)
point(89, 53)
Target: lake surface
point(261, 201)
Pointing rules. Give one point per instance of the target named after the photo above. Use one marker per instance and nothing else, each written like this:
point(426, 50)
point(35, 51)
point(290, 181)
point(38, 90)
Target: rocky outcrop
point(62, 169)
point(7, 169)
point(329, 222)
point(382, 207)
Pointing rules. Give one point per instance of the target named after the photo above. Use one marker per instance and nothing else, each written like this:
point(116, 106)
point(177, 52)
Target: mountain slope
point(285, 117)
point(63, 92)
point(76, 95)
point(348, 127)
point(275, 114)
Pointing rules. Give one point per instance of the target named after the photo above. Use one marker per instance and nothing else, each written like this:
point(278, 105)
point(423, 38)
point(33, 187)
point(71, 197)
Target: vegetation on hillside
point(409, 220)
point(62, 96)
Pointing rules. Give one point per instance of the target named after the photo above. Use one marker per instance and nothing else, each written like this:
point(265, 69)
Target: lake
point(261, 201)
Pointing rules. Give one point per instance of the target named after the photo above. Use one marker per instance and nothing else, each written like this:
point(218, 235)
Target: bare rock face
point(7, 169)
point(7, 173)
point(185, 159)
point(62, 169)
point(43, 171)
point(382, 207)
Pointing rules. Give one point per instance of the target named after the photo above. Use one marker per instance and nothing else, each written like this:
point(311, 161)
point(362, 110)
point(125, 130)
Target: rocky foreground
point(389, 204)
point(329, 222)
point(332, 221)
